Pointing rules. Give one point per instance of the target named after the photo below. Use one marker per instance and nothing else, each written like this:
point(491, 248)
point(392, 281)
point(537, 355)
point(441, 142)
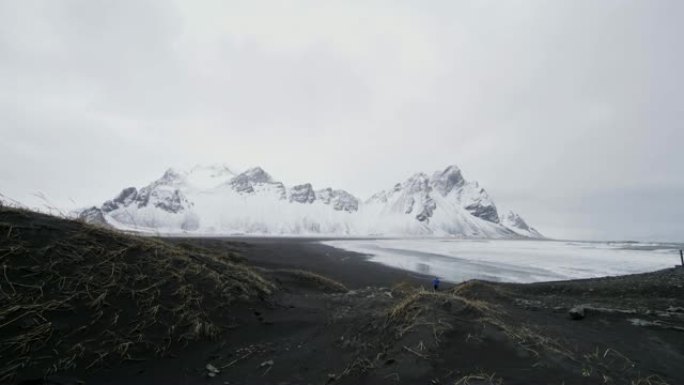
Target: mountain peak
point(215, 168)
point(171, 176)
point(246, 181)
point(257, 175)
point(446, 180)
point(339, 199)
point(515, 222)
point(302, 193)
point(452, 169)
point(416, 183)
point(512, 219)
point(208, 176)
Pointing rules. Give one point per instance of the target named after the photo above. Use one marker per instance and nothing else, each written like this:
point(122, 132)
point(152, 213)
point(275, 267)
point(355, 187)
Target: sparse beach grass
point(75, 294)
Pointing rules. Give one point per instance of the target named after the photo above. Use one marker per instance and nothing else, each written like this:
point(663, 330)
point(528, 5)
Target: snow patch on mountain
point(515, 222)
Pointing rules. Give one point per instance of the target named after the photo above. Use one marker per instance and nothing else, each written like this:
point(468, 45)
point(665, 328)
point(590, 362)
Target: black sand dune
point(88, 305)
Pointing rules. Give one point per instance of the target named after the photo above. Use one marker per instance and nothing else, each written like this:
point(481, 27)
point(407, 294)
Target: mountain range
point(216, 200)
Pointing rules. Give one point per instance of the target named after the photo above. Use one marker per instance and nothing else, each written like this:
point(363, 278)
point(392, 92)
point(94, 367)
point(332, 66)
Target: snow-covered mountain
point(218, 200)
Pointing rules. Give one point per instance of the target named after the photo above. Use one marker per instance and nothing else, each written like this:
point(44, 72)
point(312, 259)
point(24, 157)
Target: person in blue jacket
point(435, 283)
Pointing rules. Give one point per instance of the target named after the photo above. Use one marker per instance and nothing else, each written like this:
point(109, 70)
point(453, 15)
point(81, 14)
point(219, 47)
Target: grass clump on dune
point(76, 296)
point(317, 281)
point(421, 302)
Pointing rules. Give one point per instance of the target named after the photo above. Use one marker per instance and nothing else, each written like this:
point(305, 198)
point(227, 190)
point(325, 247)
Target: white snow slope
point(216, 200)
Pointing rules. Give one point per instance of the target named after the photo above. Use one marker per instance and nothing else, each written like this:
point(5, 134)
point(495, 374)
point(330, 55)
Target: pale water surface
point(458, 260)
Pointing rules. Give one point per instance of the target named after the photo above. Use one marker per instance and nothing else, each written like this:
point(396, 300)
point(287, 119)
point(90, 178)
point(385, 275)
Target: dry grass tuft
point(421, 300)
point(479, 289)
point(432, 313)
point(480, 378)
point(404, 288)
point(463, 303)
point(650, 380)
point(530, 339)
point(316, 280)
point(77, 296)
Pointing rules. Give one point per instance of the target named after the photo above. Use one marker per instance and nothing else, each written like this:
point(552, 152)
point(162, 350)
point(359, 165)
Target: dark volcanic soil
point(348, 322)
point(350, 268)
point(632, 332)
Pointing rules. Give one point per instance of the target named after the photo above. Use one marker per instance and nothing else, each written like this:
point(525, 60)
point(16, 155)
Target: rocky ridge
point(215, 199)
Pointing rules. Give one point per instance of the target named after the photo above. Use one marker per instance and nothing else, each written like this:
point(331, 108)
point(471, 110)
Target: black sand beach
point(352, 269)
point(88, 305)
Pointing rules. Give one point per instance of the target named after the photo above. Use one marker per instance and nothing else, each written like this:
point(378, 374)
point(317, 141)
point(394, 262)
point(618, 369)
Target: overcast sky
point(569, 112)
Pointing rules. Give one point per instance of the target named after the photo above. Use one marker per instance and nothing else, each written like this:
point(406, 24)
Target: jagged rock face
point(515, 220)
point(216, 200)
point(446, 181)
point(93, 215)
point(444, 203)
point(476, 200)
point(170, 178)
point(255, 175)
point(486, 212)
point(302, 193)
point(339, 199)
point(416, 184)
point(172, 202)
point(429, 207)
point(408, 204)
point(250, 181)
point(169, 200)
point(409, 197)
point(325, 195)
point(245, 182)
point(159, 194)
point(125, 198)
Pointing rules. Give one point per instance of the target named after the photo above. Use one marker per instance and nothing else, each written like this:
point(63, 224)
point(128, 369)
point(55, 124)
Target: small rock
point(640, 322)
point(211, 374)
point(577, 313)
point(266, 363)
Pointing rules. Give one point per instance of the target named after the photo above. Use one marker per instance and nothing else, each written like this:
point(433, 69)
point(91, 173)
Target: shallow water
point(457, 260)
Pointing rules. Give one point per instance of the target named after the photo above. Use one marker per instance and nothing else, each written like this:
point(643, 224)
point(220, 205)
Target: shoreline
point(348, 267)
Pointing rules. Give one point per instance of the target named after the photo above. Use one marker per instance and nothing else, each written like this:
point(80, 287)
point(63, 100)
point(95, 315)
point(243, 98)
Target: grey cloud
point(569, 112)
